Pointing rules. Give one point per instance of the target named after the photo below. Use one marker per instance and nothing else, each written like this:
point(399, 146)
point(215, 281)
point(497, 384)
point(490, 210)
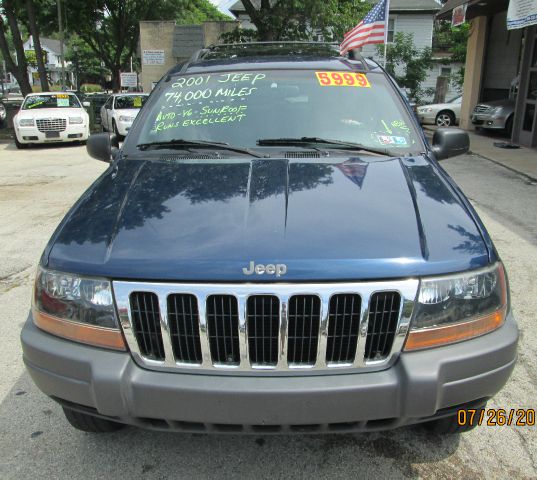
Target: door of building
point(527, 102)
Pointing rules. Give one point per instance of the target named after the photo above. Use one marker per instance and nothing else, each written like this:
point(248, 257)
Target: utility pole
point(58, 2)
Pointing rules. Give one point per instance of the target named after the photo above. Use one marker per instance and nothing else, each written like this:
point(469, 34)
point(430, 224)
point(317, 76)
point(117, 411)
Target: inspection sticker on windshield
point(342, 79)
point(137, 102)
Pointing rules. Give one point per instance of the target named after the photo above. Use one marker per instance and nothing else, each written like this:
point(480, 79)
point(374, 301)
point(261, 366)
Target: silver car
point(495, 115)
point(441, 114)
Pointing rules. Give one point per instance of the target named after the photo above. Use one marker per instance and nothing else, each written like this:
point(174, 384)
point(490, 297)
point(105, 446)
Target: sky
point(223, 5)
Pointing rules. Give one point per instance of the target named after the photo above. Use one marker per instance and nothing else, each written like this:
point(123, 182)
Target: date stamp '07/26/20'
point(497, 417)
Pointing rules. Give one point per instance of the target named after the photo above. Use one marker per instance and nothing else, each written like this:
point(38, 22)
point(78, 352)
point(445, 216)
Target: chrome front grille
point(265, 327)
point(482, 109)
point(51, 124)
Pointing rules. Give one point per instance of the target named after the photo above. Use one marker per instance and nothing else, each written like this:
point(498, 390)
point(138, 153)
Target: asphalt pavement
point(36, 189)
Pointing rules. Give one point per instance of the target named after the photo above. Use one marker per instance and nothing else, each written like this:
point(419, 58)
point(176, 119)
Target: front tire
point(116, 131)
point(509, 126)
point(88, 423)
point(450, 425)
point(20, 145)
point(445, 119)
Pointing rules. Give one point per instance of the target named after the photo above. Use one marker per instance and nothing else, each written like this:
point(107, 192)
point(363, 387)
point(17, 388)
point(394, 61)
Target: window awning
point(476, 8)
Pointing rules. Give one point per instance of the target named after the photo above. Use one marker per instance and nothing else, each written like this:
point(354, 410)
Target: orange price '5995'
point(342, 79)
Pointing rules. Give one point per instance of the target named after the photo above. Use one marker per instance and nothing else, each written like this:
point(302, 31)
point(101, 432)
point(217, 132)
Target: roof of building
point(51, 44)
point(395, 5)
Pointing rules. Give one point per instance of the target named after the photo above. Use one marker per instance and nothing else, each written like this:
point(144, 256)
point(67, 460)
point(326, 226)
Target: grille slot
point(343, 328)
point(263, 321)
point(383, 318)
point(51, 124)
point(303, 329)
point(146, 324)
point(183, 319)
point(223, 329)
point(307, 154)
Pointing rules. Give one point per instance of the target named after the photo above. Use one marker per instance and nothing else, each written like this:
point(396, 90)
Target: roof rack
point(197, 55)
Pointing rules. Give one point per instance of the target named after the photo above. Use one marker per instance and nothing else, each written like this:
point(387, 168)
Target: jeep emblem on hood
point(270, 269)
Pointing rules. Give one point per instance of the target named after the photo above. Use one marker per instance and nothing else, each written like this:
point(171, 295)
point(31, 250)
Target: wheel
point(116, 131)
point(445, 119)
point(20, 145)
point(450, 425)
point(88, 423)
point(509, 125)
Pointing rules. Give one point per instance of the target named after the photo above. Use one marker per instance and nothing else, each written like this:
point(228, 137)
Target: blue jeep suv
point(275, 248)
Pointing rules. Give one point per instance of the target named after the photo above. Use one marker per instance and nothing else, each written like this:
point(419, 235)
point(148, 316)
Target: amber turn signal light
point(79, 332)
point(445, 335)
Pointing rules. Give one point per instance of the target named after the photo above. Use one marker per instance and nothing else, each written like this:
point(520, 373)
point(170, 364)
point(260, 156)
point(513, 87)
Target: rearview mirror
point(102, 146)
point(450, 142)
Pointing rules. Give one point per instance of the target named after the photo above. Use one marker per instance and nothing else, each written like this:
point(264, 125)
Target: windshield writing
point(241, 108)
point(59, 100)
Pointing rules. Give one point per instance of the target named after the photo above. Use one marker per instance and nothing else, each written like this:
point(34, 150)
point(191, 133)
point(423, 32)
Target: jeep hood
point(325, 219)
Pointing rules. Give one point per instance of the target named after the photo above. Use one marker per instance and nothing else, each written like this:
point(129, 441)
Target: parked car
point(120, 110)
point(441, 114)
point(495, 115)
point(50, 117)
point(274, 248)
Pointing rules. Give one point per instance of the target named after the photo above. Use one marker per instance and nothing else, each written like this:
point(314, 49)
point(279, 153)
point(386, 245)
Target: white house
point(53, 63)
point(409, 16)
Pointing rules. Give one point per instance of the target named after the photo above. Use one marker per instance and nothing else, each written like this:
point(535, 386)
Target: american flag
point(372, 29)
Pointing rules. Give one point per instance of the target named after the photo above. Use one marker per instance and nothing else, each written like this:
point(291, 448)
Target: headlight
point(458, 307)
point(123, 118)
point(497, 110)
point(26, 122)
point(75, 307)
point(75, 120)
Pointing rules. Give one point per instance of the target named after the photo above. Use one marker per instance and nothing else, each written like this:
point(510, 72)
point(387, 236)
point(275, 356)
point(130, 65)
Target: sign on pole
point(521, 13)
point(129, 79)
point(153, 57)
point(459, 15)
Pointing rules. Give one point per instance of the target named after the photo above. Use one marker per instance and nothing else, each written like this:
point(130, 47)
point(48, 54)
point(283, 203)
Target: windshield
point(241, 108)
point(455, 100)
point(130, 101)
point(56, 100)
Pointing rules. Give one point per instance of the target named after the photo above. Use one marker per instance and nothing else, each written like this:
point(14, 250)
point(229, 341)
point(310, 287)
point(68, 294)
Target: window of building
point(445, 71)
point(391, 29)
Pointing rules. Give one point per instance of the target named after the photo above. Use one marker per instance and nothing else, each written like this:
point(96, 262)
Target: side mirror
point(102, 146)
point(86, 104)
point(450, 142)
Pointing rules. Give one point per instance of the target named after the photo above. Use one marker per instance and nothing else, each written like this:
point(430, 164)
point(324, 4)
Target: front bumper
point(123, 128)
point(73, 133)
point(491, 122)
point(420, 386)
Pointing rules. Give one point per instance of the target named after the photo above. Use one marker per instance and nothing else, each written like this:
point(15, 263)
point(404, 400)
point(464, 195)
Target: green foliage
point(31, 57)
point(304, 19)
point(451, 39)
point(90, 88)
point(194, 12)
point(407, 64)
point(84, 60)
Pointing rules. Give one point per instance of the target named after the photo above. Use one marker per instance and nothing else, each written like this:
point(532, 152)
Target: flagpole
point(386, 31)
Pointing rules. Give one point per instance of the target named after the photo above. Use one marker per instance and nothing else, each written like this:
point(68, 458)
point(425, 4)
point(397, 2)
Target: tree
point(34, 30)
point(301, 19)
point(18, 66)
point(406, 64)
point(194, 12)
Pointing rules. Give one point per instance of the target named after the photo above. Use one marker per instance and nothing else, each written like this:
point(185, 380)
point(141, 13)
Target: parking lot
point(38, 186)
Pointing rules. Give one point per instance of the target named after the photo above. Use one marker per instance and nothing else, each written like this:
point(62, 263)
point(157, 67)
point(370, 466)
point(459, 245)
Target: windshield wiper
point(306, 140)
point(182, 143)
